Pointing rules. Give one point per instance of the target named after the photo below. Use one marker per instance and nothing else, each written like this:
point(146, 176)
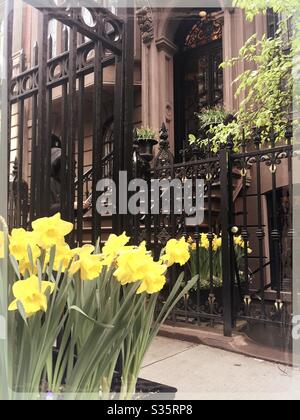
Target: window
point(272, 23)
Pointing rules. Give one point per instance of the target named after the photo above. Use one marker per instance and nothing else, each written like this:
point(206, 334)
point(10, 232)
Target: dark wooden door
point(198, 85)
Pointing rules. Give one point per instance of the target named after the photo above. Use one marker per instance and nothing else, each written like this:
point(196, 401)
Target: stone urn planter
point(145, 148)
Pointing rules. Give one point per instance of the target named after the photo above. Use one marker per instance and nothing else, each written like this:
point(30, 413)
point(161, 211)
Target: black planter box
point(147, 390)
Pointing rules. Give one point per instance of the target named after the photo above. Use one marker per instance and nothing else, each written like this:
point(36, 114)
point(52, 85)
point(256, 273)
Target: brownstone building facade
point(173, 48)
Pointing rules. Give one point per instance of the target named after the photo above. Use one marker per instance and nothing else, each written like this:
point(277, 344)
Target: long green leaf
point(99, 324)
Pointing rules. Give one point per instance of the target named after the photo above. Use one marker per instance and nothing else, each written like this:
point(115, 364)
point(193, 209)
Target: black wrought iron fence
point(242, 250)
point(264, 218)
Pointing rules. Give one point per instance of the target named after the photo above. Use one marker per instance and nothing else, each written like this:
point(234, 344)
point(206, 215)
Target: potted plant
point(209, 119)
point(144, 138)
point(265, 90)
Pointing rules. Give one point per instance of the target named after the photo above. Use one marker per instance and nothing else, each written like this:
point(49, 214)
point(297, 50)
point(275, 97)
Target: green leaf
point(22, 311)
point(51, 260)
point(15, 266)
point(99, 324)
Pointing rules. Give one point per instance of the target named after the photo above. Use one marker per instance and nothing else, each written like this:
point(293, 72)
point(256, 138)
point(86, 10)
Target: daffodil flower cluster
point(239, 242)
point(130, 263)
point(216, 242)
point(137, 264)
point(101, 303)
point(177, 252)
point(204, 242)
point(205, 246)
point(30, 247)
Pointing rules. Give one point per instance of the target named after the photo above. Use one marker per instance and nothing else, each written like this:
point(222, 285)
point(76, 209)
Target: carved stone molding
point(164, 44)
point(203, 32)
point(145, 22)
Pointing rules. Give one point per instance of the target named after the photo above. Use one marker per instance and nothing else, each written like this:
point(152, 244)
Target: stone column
point(237, 30)
point(157, 74)
point(228, 52)
point(165, 54)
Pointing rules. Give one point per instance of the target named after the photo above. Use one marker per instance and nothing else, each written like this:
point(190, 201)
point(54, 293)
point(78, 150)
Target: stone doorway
point(197, 74)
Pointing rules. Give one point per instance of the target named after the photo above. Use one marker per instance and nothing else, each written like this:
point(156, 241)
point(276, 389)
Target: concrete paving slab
point(165, 348)
point(200, 372)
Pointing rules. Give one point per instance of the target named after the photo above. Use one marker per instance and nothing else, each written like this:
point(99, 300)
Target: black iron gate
point(92, 41)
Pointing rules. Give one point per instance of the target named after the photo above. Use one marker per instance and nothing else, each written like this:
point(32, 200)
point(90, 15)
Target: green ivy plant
point(267, 89)
point(254, 7)
point(211, 116)
point(269, 85)
point(289, 9)
point(207, 118)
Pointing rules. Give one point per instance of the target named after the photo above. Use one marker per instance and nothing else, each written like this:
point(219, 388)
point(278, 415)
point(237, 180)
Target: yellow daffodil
point(153, 279)
point(25, 266)
point(19, 242)
point(131, 264)
point(217, 243)
point(89, 266)
point(239, 241)
point(1, 245)
point(85, 249)
point(138, 265)
point(31, 293)
point(51, 230)
point(177, 252)
point(113, 247)
point(204, 242)
point(63, 257)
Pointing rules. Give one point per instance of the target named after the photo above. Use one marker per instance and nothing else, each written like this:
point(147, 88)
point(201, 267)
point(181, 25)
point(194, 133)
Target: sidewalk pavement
point(200, 373)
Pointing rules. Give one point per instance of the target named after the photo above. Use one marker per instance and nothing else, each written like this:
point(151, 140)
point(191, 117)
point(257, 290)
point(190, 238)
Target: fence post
point(225, 179)
point(42, 158)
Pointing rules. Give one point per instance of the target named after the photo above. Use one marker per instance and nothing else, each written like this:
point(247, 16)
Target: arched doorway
point(198, 79)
